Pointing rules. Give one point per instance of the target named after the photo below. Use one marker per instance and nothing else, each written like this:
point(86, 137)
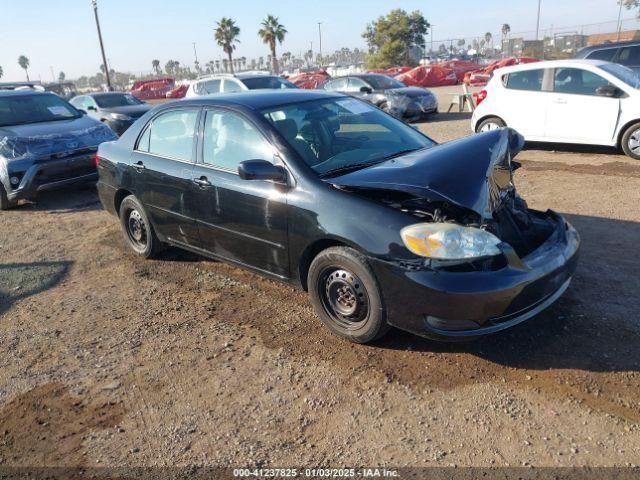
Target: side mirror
point(608, 91)
point(261, 170)
point(366, 90)
point(91, 107)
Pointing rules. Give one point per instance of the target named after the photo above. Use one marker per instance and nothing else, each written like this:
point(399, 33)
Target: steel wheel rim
point(344, 298)
point(634, 142)
point(487, 127)
point(137, 229)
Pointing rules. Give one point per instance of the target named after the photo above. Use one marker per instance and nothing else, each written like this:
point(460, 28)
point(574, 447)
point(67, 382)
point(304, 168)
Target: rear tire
point(5, 203)
point(630, 142)
point(491, 123)
point(345, 295)
point(137, 229)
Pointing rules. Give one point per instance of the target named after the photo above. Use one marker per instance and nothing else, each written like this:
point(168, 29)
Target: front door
point(241, 220)
point(162, 166)
point(576, 113)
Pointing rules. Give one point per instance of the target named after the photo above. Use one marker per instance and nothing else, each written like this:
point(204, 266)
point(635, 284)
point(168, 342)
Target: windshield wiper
point(400, 153)
point(347, 168)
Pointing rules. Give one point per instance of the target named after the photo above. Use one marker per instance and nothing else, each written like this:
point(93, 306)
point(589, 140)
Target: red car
point(481, 77)
point(152, 89)
point(179, 92)
point(428, 76)
point(309, 80)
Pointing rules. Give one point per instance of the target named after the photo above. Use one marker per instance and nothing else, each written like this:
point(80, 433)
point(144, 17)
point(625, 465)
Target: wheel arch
point(312, 250)
point(624, 129)
point(120, 195)
point(482, 119)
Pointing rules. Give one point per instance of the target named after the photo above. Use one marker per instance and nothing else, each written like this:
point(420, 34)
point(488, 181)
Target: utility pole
point(619, 22)
point(320, 35)
point(431, 49)
point(538, 20)
point(94, 3)
point(53, 77)
point(195, 55)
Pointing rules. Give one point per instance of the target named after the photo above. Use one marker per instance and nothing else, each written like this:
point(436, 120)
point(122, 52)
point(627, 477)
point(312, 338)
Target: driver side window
point(355, 84)
point(229, 139)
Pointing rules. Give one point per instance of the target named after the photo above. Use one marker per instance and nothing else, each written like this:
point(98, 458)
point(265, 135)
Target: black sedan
point(116, 109)
point(45, 143)
point(392, 96)
point(378, 223)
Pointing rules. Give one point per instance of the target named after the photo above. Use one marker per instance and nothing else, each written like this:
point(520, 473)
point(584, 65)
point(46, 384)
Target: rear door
point(576, 113)
point(241, 220)
point(523, 106)
point(162, 165)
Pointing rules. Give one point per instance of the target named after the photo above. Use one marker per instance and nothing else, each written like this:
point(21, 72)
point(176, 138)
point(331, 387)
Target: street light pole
point(538, 20)
point(619, 23)
point(94, 3)
point(320, 35)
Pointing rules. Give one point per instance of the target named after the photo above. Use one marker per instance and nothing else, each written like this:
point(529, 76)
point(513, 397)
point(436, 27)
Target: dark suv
point(624, 53)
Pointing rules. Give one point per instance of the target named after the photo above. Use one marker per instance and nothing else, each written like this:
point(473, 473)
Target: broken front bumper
point(450, 305)
point(54, 174)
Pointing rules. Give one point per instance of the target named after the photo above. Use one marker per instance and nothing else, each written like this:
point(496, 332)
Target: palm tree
point(506, 28)
point(24, 64)
point(1, 72)
point(488, 37)
point(226, 34)
point(155, 64)
point(272, 31)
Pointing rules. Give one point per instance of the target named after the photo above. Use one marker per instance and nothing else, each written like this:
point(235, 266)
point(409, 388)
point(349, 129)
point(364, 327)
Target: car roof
point(606, 45)
point(239, 76)
point(25, 92)
point(104, 94)
point(259, 99)
point(552, 64)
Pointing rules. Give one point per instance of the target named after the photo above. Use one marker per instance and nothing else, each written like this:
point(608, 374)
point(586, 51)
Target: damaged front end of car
point(479, 260)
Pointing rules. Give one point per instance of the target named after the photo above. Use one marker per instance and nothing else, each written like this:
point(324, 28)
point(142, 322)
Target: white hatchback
point(564, 101)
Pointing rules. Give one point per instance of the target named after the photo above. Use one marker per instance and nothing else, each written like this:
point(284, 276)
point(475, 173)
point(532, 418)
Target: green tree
point(155, 64)
point(390, 38)
point(488, 38)
point(24, 64)
point(272, 31)
point(226, 35)
point(630, 4)
point(61, 77)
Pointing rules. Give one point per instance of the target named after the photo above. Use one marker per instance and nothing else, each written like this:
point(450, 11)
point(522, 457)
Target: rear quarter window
point(605, 54)
point(530, 80)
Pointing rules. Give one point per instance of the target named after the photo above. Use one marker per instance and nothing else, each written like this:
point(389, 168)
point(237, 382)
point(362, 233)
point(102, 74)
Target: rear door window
point(605, 54)
point(171, 135)
point(629, 56)
point(530, 80)
point(577, 81)
point(207, 87)
point(339, 84)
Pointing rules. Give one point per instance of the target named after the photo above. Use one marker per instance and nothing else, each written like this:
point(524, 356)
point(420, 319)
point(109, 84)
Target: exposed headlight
point(119, 116)
point(447, 241)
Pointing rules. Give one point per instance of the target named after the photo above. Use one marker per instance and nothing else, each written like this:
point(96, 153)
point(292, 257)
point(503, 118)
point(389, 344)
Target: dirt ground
point(106, 359)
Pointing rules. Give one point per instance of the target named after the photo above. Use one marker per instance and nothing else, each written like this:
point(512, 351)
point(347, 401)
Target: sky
point(61, 34)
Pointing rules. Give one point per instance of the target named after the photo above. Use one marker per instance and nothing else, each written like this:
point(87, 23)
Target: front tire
point(630, 142)
point(491, 123)
point(136, 228)
point(345, 295)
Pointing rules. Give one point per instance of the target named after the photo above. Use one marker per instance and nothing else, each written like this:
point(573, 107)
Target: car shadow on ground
point(445, 117)
point(595, 326)
point(82, 197)
point(21, 280)
point(573, 148)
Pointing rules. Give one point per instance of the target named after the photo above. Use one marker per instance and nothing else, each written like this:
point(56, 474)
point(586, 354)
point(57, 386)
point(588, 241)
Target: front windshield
point(259, 83)
point(23, 109)
point(112, 100)
point(382, 82)
point(622, 73)
point(338, 134)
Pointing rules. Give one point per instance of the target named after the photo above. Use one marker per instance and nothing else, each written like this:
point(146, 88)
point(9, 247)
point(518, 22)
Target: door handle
point(139, 166)
point(202, 182)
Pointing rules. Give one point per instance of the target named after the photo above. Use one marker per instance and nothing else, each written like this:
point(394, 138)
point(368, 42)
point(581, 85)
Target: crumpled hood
point(470, 172)
point(38, 140)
